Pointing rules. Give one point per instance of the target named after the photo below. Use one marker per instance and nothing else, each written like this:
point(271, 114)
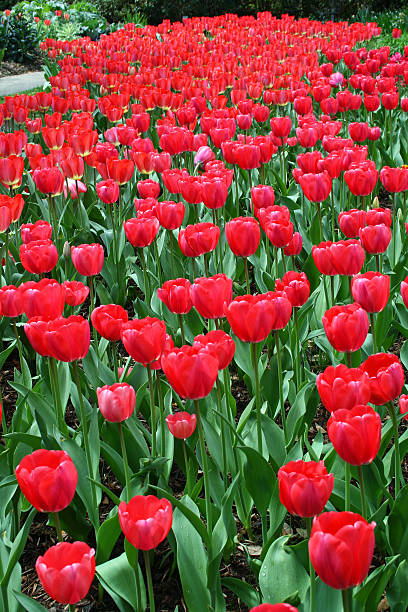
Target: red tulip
point(394, 180)
point(66, 571)
point(170, 214)
point(377, 216)
point(87, 258)
point(176, 295)
point(11, 171)
point(144, 339)
point(49, 181)
point(148, 188)
point(341, 548)
point(14, 206)
point(386, 377)
point(48, 479)
point(181, 424)
point(145, 520)
point(295, 245)
point(295, 286)
point(243, 235)
point(279, 607)
point(43, 299)
point(190, 370)
point(39, 256)
point(341, 387)
point(358, 131)
point(67, 339)
point(305, 487)
point(346, 327)
point(35, 330)
point(40, 230)
point(251, 317)
point(404, 291)
point(211, 295)
point(403, 406)
point(108, 191)
point(75, 292)
point(262, 196)
point(351, 221)
point(214, 192)
point(361, 178)
point(202, 238)
point(11, 301)
point(316, 187)
point(116, 402)
point(371, 290)
point(220, 344)
point(120, 170)
point(108, 321)
point(347, 256)
point(355, 434)
point(141, 231)
point(375, 238)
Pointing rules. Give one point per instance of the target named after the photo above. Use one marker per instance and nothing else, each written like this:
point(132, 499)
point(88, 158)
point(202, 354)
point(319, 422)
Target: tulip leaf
point(397, 593)
point(106, 538)
point(18, 546)
point(397, 524)
point(191, 560)
point(259, 478)
point(29, 605)
point(369, 594)
point(282, 574)
point(118, 578)
point(243, 590)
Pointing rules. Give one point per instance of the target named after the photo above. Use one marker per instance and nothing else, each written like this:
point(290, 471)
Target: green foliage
point(19, 36)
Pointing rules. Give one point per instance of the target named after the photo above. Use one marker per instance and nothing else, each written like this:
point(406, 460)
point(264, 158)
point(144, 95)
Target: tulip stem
point(180, 320)
point(223, 441)
point(332, 289)
point(57, 395)
point(397, 468)
point(248, 288)
point(347, 487)
point(348, 357)
point(137, 576)
point(280, 384)
point(372, 320)
point(312, 573)
point(187, 466)
point(205, 468)
point(362, 492)
point(85, 433)
point(152, 606)
point(297, 349)
point(319, 213)
point(6, 258)
point(153, 410)
point(146, 281)
point(257, 397)
point(115, 360)
point(125, 461)
point(205, 264)
point(236, 190)
point(275, 256)
point(161, 416)
point(173, 273)
point(115, 245)
point(333, 216)
point(57, 526)
point(156, 252)
point(347, 604)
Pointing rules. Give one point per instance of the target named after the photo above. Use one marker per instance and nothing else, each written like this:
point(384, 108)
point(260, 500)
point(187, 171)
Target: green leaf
point(369, 594)
point(118, 578)
point(282, 574)
point(259, 478)
point(29, 605)
point(398, 525)
point(243, 590)
point(397, 593)
point(191, 560)
point(106, 538)
point(18, 546)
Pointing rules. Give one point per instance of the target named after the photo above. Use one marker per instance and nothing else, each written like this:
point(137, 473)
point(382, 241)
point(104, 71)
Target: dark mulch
point(10, 68)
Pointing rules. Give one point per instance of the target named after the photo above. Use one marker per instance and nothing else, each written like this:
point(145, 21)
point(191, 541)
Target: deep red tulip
point(309, 162)
point(170, 214)
point(43, 299)
point(49, 181)
point(375, 238)
point(386, 377)
point(39, 256)
point(404, 291)
point(181, 424)
point(35, 330)
point(403, 406)
point(371, 290)
point(243, 235)
point(358, 131)
point(210, 296)
point(11, 171)
point(377, 216)
point(144, 339)
point(116, 402)
point(141, 231)
point(145, 520)
point(87, 258)
point(11, 301)
point(202, 238)
point(323, 261)
point(120, 170)
point(108, 191)
point(67, 339)
point(14, 206)
point(40, 230)
point(295, 245)
point(48, 479)
point(346, 327)
point(279, 607)
point(190, 370)
point(394, 180)
point(108, 320)
point(355, 434)
point(75, 292)
point(341, 548)
point(148, 188)
point(176, 295)
point(281, 127)
point(351, 221)
point(66, 571)
point(251, 317)
point(316, 187)
point(304, 487)
point(347, 256)
point(220, 344)
point(341, 387)
point(361, 178)
point(262, 196)
point(295, 286)
point(73, 167)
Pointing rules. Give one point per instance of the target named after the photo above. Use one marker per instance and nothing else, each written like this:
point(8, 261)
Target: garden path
point(21, 82)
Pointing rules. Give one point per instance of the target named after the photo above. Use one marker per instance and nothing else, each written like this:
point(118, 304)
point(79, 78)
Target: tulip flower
point(181, 424)
point(66, 571)
point(304, 487)
point(211, 295)
point(39, 256)
point(341, 387)
point(87, 259)
point(43, 299)
point(40, 230)
point(75, 292)
point(279, 607)
point(108, 321)
point(355, 434)
point(346, 327)
point(11, 301)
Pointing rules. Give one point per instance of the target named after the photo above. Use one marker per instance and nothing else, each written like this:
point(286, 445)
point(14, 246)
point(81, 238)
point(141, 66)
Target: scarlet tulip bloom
point(75, 292)
point(323, 261)
point(170, 214)
point(355, 434)
point(262, 196)
point(11, 171)
point(181, 424)
point(346, 327)
point(351, 221)
point(148, 188)
point(202, 238)
point(43, 299)
point(66, 571)
point(108, 191)
point(295, 245)
point(251, 317)
point(404, 291)
point(371, 290)
point(144, 339)
point(49, 181)
point(190, 370)
point(403, 406)
point(211, 295)
point(141, 231)
point(377, 216)
point(35, 330)
point(120, 170)
point(145, 520)
point(108, 320)
point(281, 127)
point(40, 230)
point(67, 339)
point(243, 235)
point(361, 178)
point(39, 256)
point(316, 187)
point(220, 344)
point(386, 377)
point(87, 258)
point(394, 180)
point(341, 387)
point(375, 238)
point(341, 548)
point(214, 192)
point(48, 479)
point(279, 607)
point(13, 205)
point(116, 402)
point(176, 295)
point(347, 256)
point(358, 131)
point(11, 301)
point(295, 286)
point(304, 487)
